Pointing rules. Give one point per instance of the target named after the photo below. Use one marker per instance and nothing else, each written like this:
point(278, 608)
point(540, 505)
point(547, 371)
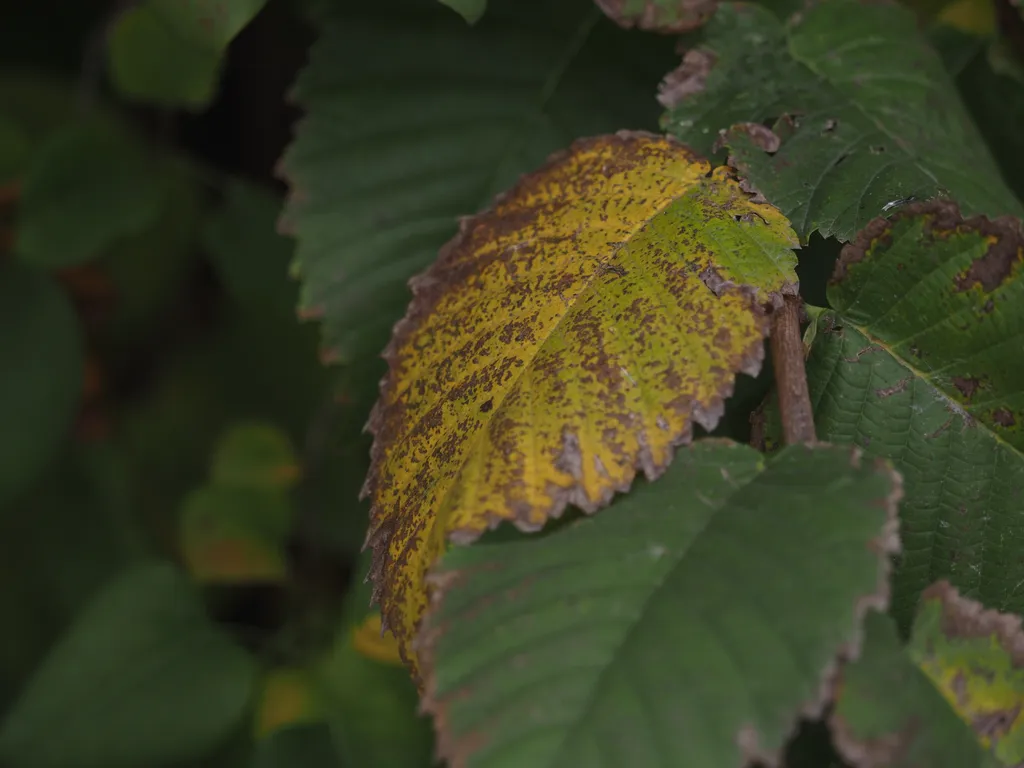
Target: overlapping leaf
point(606, 643)
point(413, 118)
point(864, 114)
point(564, 339)
point(976, 658)
point(920, 362)
point(169, 52)
point(889, 715)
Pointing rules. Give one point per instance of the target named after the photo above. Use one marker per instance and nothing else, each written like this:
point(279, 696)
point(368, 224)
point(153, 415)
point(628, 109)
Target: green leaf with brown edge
point(863, 114)
point(918, 363)
point(606, 642)
point(142, 678)
point(41, 386)
point(384, 163)
point(169, 52)
point(889, 715)
point(89, 186)
point(668, 16)
point(975, 657)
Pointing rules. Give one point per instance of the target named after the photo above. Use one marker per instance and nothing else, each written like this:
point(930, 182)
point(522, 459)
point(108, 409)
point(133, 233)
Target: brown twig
point(790, 376)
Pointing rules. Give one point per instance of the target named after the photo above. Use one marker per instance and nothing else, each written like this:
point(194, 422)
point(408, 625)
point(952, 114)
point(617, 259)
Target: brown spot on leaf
point(967, 386)
point(942, 218)
point(686, 79)
point(659, 15)
point(763, 138)
point(966, 618)
point(1004, 417)
point(895, 389)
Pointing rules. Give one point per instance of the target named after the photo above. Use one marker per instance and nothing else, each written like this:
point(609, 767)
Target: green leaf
point(255, 455)
point(974, 657)
point(169, 52)
point(88, 187)
point(864, 115)
point(80, 505)
point(919, 363)
point(470, 10)
point(142, 678)
point(232, 534)
point(42, 358)
point(414, 119)
point(250, 257)
point(889, 714)
point(308, 745)
point(32, 106)
point(607, 641)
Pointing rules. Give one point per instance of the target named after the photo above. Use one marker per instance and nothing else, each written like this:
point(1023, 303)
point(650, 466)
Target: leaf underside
point(863, 113)
point(919, 362)
point(564, 339)
point(605, 643)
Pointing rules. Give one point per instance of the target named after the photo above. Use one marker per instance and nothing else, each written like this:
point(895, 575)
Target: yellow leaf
point(287, 699)
point(976, 17)
point(975, 657)
point(564, 339)
point(372, 641)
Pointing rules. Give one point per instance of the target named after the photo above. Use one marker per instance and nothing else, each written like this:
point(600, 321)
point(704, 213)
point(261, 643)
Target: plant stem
point(790, 376)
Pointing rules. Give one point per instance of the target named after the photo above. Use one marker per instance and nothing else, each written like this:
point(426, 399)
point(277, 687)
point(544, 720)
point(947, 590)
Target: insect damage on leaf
point(668, 16)
point(564, 339)
point(976, 659)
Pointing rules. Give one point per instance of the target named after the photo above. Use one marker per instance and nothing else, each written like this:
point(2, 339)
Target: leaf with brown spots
point(690, 624)
point(889, 715)
point(668, 16)
point(566, 338)
point(976, 659)
point(921, 361)
point(861, 111)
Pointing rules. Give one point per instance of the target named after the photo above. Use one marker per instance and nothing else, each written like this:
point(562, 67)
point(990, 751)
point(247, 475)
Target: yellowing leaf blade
point(974, 656)
point(564, 339)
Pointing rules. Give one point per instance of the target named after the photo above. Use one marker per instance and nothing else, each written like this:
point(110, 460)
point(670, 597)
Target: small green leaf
point(889, 714)
point(257, 456)
point(975, 657)
point(470, 10)
point(42, 359)
point(233, 534)
point(863, 114)
point(607, 642)
point(169, 52)
point(88, 187)
point(142, 678)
